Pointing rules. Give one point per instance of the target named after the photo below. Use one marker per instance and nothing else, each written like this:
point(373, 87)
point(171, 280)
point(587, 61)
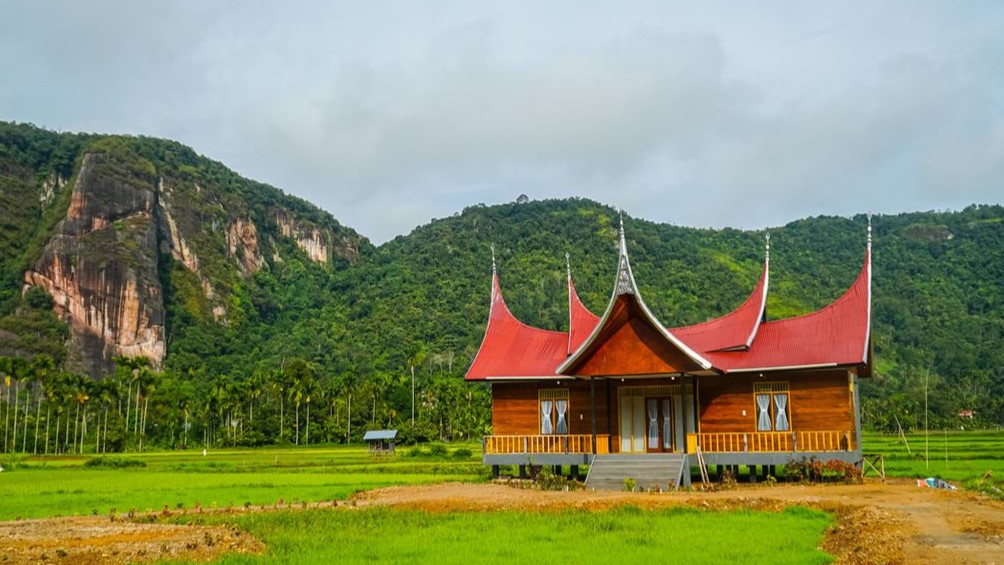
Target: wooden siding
point(818, 401)
point(635, 349)
point(515, 406)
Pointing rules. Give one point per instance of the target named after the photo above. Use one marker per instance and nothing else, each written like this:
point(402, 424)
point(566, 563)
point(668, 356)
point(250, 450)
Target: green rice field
point(35, 487)
point(49, 486)
point(622, 535)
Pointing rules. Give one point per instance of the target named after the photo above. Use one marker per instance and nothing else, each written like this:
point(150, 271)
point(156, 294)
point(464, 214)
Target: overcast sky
point(387, 114)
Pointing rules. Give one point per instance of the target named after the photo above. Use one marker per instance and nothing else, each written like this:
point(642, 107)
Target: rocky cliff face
point(101, 266)
point(108, 262)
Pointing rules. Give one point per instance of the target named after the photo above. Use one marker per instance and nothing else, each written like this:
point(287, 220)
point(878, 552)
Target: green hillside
point(259, 331)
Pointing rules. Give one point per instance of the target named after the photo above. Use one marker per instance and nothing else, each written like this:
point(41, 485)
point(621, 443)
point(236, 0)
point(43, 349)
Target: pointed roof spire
point(568, 266)
point(869, 230)
point(767, 238)
point(493, 259)
point(625, 278)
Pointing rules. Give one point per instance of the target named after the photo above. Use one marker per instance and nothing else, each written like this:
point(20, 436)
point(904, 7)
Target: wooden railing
point(580, 443)
point(771, 442)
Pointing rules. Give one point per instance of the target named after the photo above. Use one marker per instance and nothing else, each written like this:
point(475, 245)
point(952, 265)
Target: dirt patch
point(892, 522)
point(95, 539)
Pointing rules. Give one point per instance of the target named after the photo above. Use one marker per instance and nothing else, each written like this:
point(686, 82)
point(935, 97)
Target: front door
point(659, 424)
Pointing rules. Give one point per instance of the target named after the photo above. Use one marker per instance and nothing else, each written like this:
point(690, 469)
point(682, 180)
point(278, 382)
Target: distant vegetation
point(313, 352)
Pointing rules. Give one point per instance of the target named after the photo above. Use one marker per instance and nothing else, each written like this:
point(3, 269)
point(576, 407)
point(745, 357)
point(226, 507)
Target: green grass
point(49, 486)
point(955, 456)
point(621, 535)
point(970, 459)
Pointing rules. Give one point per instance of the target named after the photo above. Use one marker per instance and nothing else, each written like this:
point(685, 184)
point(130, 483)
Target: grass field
point(49, 486)
point(622, 535)
point(971, 459)
point(40, 487)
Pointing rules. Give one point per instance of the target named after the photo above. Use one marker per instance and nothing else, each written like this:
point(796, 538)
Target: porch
point(734, 442)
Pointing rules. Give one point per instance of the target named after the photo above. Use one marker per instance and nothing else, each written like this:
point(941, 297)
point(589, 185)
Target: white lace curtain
point(561, 406)
point(763, 423)
point(781, 412)
point(546, 426)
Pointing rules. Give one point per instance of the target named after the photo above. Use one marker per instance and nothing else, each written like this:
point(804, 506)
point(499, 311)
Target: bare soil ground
point(99, 540)
point(892, 522)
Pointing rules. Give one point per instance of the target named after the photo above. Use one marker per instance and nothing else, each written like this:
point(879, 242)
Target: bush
point(438, 450)
point(103, 462)
point(462, 453)
point(812, 470)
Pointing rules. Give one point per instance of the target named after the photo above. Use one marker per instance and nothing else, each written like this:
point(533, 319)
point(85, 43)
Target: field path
point(891, 522)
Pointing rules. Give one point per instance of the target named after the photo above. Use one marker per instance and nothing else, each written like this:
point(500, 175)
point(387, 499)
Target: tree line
point(50, 411)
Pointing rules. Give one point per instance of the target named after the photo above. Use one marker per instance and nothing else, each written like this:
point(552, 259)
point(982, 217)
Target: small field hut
point(380, 442)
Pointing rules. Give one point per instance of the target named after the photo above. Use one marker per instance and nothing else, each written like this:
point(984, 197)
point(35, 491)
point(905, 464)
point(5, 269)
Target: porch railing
point(556, 444)
point(771, 442)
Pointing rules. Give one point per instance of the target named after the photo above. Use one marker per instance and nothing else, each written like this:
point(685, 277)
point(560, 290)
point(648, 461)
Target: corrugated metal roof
point(733, 330)
point(514, 349)
point(835, 335)
point(379, 434)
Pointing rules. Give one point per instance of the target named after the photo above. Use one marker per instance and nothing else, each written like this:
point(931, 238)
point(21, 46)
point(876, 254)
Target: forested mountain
point(253, 305)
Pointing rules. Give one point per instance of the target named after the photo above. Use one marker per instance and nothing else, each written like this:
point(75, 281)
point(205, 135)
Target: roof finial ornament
point(869, 230)
point(493, 258)
point(568, 265)
point(767, 238)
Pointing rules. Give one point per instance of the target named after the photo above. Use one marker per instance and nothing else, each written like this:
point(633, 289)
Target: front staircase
point(649, 471)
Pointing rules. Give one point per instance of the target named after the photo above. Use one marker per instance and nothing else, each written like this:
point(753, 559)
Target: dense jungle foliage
point(319, 352)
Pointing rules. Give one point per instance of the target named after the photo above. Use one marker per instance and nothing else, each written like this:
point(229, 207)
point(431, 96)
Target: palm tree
point(5, 370)
point(147, 383)
point(19, 372)
point(279, 386)
point(132, 366)
point(255, 386)
point(300, 374)
point(43, 367)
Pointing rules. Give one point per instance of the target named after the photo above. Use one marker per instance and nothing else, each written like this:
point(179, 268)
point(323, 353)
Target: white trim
point(491, 310)
point(541, 378)
point(868, 327)
point(785, 368)
point(763, 301)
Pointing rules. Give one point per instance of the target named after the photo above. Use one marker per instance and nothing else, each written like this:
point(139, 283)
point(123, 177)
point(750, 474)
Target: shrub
point(630, 484)
point(103, 462)
point(438, 450)
point(462, 453)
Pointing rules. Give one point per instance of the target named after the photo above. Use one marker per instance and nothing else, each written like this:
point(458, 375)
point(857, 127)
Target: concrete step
point(648, 471)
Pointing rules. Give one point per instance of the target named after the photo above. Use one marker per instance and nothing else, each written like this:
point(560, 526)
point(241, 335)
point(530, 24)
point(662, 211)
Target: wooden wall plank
point(819, 401)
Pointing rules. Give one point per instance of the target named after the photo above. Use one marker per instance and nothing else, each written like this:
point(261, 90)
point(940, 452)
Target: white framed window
point(552, 410)
point(773, 407)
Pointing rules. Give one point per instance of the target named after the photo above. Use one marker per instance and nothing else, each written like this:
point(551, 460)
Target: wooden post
point(592, 410)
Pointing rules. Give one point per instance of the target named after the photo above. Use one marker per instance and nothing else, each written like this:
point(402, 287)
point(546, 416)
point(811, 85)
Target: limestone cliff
point(147, 248)
point(100, 266)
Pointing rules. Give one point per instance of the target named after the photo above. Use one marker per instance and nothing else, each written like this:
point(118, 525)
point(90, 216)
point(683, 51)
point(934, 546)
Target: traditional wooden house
point(632, 398)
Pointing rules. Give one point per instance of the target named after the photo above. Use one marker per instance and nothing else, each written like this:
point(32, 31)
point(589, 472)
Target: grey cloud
point(389, 114)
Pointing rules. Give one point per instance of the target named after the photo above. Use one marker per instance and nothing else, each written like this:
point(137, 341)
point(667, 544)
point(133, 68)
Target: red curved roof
point(734, 330)
point(513, 349)
point(836, 335)
point(580, 320)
